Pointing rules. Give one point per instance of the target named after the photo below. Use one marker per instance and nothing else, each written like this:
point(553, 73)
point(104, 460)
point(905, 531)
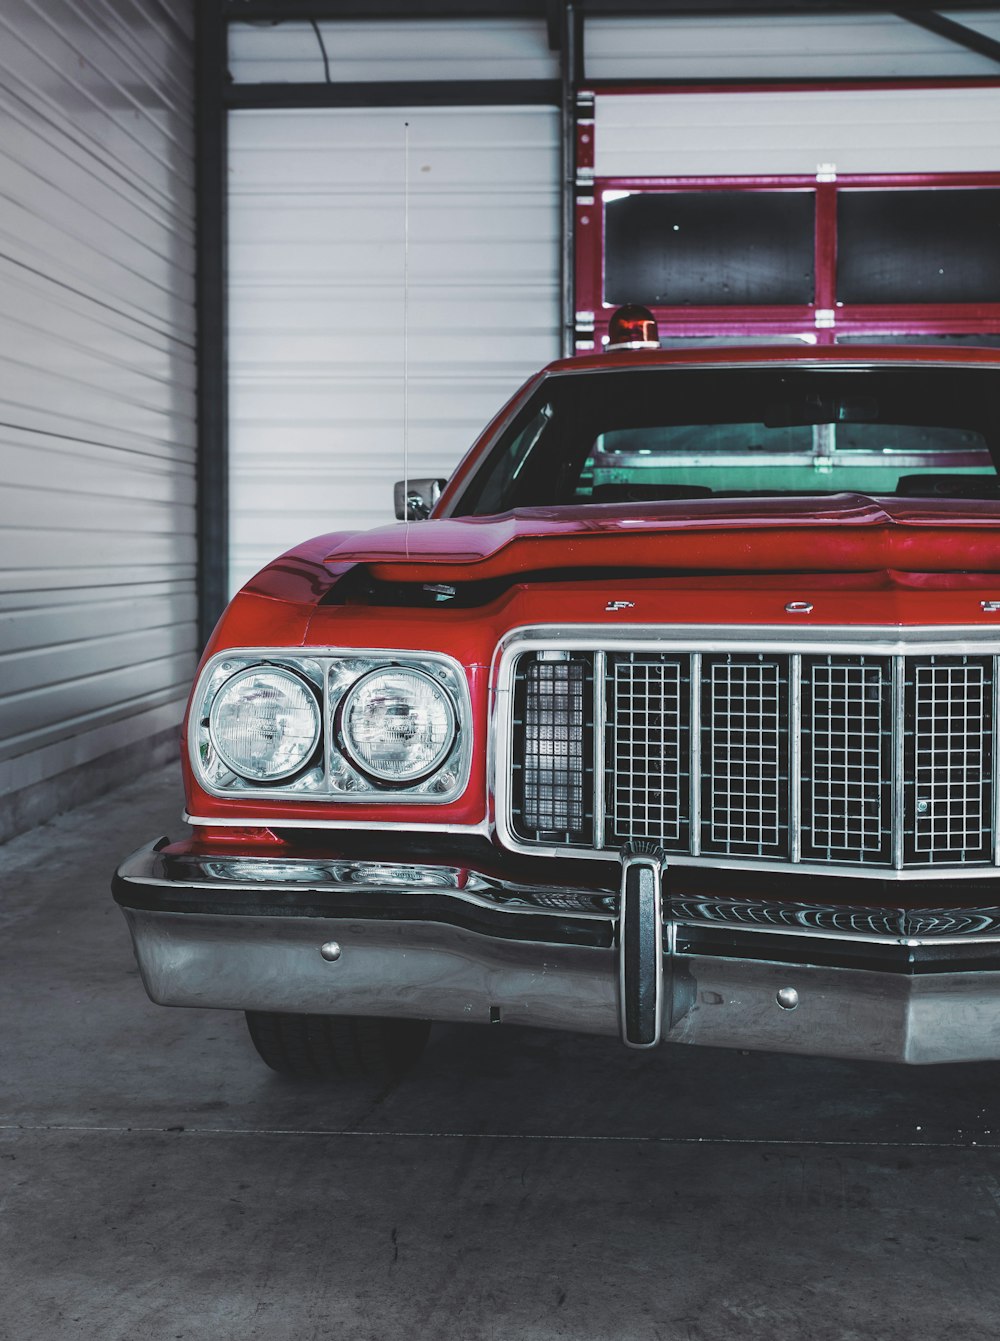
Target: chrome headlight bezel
point(332, 775)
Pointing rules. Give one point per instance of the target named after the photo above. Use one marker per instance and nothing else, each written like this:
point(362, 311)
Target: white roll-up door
point(758, 132)
point(317, 303)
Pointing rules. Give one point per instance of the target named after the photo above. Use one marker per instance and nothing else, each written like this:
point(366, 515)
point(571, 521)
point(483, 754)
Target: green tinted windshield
point(659, 434)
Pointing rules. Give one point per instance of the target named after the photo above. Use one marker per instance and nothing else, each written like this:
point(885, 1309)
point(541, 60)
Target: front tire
point(336, 1047)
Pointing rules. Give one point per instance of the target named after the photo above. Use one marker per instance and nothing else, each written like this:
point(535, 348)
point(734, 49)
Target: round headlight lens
point(397, 725)
point(264, 723)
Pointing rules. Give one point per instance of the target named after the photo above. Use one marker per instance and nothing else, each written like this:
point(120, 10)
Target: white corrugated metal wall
point(97, 373)
point(316, 227)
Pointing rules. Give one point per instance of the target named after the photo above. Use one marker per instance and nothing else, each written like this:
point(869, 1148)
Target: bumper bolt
point(787, 998)
point(330, 951)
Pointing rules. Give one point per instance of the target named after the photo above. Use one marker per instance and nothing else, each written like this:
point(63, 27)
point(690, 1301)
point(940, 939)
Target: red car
point(676, 718)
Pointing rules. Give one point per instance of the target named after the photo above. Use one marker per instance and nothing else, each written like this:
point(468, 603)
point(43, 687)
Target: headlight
point(353, 725)
point(397, 725)
point(264, 723)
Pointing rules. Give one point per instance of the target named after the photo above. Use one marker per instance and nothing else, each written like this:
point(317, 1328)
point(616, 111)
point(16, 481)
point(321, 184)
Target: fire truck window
point(709, 248)
point(927, 246)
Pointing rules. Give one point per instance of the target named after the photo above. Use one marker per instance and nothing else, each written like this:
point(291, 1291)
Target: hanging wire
point(406, 331)
point(322, 46)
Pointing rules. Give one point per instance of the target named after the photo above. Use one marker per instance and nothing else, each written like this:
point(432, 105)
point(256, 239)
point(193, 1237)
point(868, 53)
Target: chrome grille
point(648, 750)
point(950, 703)
point(846, 758)
point(745, 739)
point(860, 760)
point(552, 770)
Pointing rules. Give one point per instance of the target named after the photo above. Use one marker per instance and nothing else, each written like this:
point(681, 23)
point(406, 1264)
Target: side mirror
point(415, 498)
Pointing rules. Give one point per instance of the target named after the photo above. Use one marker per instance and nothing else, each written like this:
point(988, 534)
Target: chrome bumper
point(448, 943)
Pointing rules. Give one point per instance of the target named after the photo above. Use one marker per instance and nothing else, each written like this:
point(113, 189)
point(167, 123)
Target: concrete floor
point(156, 1181)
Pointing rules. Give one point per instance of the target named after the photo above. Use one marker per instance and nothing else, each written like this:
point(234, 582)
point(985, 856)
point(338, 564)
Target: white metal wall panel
point(317, 303)
point(816, 46)
point(401, 50)
point(97, 374)
point(760, 132)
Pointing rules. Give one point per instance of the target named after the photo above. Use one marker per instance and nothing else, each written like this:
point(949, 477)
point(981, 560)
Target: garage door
point(316, 302)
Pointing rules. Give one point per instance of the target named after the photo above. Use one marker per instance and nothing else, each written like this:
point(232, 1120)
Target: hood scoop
point(834, 533)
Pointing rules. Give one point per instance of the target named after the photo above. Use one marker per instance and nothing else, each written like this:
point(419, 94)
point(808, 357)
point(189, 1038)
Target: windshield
point(635, 435)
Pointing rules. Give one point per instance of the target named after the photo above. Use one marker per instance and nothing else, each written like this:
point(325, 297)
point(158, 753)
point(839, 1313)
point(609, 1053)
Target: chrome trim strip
point(795, 759)
point(298, 875)
point(225, 872)
point(694, 763)
point(898, 760)
point(600, 721)
point(888, 640)
point(284, 822)
point(995, 743)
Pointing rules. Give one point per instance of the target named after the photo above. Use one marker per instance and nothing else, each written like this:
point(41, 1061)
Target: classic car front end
point(677, 720)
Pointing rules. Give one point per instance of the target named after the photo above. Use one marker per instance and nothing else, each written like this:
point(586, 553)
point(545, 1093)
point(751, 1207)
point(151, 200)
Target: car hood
point(837, 533)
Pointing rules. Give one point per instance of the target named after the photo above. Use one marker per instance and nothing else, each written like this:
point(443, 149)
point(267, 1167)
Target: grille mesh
point(553, 772)
point(648, 748)
point(950, 704)
point(874, 761)
point(846, 730)
point(744, 747)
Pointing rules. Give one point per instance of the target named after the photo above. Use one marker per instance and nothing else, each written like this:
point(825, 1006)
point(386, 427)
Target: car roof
point(741, 355)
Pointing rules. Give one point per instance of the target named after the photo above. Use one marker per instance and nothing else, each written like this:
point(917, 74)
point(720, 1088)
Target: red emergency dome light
point(632, 327)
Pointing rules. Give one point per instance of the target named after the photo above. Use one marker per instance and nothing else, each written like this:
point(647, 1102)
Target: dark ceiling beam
point(277, 11)
point(554, 23)
point(804, 8)
point(410, 93)
point(274, 11)
point(954, 32)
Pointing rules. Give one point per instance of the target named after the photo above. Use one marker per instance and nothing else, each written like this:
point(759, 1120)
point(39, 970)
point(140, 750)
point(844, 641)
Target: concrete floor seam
point(568, 1139)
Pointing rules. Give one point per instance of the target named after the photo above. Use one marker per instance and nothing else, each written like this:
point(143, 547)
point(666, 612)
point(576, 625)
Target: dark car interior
point(666, 434)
